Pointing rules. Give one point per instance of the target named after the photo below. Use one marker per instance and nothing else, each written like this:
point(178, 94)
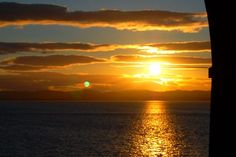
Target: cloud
point(22, 67)
point(170, 59)
point(13, 47)
point(193, 46)
point(184, 46)
point(30, 81)
point(34, 80)
point(24, 14)
point(52, 60)
point(35, 63)
point(51, 80)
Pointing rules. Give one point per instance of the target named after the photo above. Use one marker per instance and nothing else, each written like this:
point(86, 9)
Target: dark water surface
point(158, 128)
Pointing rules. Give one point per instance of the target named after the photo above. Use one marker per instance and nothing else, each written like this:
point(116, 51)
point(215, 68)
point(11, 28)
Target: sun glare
point(155, 69)
point(86, 84)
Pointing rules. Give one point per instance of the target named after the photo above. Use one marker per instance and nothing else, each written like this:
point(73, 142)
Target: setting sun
point(155, 69)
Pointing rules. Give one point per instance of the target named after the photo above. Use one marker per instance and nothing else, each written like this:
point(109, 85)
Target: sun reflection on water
point(157, 136)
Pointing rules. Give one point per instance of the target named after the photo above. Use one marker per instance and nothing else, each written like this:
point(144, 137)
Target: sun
point(154, 69)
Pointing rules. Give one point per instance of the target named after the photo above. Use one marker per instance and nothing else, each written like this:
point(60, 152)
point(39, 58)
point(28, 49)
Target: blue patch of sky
point(174, 5)
point(95, 35)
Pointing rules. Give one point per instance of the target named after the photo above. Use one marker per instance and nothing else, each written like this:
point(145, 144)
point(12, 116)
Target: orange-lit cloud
point(49, 80)
point(42, 14)
point(52, 60)
point(69, 82)
point(192, 46)
point(13, 47)
point(175, 47)
point(17, 67)
point(169, 59)
point(34, 63)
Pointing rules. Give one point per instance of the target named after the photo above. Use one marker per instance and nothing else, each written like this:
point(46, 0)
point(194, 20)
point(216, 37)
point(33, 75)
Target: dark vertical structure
point(223, 73)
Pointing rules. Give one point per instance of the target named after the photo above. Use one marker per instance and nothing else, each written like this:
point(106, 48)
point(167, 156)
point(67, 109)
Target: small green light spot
point(86, 84)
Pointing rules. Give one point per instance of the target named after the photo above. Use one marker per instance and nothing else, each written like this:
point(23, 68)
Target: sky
point(156, 45)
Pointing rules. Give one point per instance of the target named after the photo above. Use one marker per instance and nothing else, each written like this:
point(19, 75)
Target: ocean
point(87, 129)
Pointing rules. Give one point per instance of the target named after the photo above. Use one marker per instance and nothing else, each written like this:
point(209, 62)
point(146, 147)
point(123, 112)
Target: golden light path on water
point(157, 136)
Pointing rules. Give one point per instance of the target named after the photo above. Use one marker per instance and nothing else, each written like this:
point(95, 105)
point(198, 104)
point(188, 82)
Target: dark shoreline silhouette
point(93, 95)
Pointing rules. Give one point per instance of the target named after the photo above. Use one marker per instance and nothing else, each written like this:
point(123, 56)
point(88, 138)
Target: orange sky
point(176, 64)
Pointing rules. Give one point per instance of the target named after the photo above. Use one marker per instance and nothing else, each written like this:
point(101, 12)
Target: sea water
point(151, 128)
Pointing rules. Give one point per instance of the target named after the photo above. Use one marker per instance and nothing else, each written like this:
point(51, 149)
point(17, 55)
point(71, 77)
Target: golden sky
point(32, 62)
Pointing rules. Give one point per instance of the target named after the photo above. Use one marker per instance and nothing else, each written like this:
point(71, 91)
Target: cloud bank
point(33, 81)
point(52, 60)
point(43, 14)
point(184, 46)
point(14, 47)
point(169, 59)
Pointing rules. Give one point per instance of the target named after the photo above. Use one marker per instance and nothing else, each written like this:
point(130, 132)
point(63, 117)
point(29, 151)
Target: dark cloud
point(184, 46)
point(187, 67)
point(171, 59)
point(29, 81)
point(35, 81)
point(52, 60)
point(24, 14)
point(51, 80)
point(12, 47)
point(17, 67)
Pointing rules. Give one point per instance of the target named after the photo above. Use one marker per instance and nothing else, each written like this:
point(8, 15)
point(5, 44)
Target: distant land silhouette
point(93, 95)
